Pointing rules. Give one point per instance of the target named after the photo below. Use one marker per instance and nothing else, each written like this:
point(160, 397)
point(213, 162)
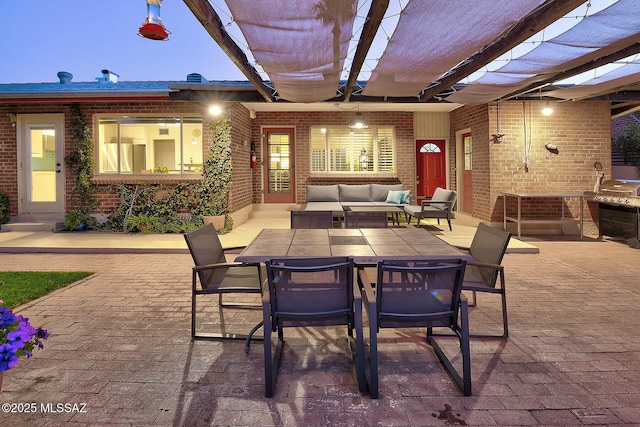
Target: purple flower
point(17, 338)
point(42, 334)
point(8, 357)
point(6, 317)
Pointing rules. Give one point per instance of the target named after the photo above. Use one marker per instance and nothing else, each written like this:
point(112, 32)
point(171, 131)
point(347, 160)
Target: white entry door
point(40, 164)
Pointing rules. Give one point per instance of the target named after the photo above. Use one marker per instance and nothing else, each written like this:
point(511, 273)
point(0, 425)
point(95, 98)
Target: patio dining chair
point(419, 293)
point(488, 247)
point(312, 292)
point(365, 219)
point(219, 277)
point(311, 219)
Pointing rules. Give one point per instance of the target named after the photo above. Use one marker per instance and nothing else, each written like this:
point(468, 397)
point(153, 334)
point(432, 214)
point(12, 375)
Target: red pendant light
point(152, 27)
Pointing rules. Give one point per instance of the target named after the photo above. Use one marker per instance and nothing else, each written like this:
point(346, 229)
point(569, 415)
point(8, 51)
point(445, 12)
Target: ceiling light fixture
point(547, 110)
point(359, 122)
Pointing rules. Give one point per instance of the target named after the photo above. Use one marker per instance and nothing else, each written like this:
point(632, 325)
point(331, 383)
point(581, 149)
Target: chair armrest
point(449, 203)
point(233, 248)
point(485, 265)
point(419, 198)
point(198, 268)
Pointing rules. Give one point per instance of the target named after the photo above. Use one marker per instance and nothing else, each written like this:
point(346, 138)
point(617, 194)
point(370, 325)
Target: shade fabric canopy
point(594, 36)
point(310, 51)
point(300, 44)
point(432, 37)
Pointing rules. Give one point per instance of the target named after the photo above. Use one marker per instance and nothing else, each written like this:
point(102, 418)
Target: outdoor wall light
point(359, 122)
point(13, 118)
point(215, 110)
point(152, 27)
point(547, 110)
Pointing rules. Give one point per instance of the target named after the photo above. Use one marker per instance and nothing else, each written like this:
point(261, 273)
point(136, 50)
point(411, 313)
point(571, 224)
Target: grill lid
point(621, 187)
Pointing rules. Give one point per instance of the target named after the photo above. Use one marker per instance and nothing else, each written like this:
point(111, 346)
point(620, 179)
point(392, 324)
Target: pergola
point(436, 51)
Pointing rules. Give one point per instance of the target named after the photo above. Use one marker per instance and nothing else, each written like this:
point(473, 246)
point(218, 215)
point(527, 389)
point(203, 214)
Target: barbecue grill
point(619, 209)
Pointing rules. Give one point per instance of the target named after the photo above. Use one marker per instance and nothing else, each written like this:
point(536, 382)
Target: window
point(144, 144)
point(341, 149)
point(468, 151)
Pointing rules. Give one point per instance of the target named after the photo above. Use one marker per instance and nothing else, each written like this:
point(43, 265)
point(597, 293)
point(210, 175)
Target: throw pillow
point(405, 197)
point(394, 197)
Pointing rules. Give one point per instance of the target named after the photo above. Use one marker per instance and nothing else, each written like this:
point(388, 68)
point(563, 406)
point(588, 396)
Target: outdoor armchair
point(219, 277)
point(418, 293)
point(488, 248)
point(314, 292)
point(441, 205)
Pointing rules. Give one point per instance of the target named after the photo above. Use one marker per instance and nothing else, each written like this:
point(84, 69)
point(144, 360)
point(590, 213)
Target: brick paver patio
point(120, 343)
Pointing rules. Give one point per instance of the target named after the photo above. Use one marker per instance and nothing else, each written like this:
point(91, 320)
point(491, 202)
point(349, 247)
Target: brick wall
point(581, 131)
point(241, 191)
point(302, 122)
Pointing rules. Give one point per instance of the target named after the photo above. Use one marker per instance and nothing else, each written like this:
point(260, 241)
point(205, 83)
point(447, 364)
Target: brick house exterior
point(581, 131)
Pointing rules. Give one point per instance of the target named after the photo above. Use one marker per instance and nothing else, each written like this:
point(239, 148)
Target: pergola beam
point(374, 18)
point(204, 12)
point(590, 65)
point(549, 12)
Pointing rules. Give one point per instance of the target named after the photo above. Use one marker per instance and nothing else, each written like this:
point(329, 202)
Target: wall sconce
point(547, 110)
point(363, 160)
point(13, 118)
point(551, 148)
point(252, 114)
point(359, 122)
point(215, 110)
point(497, 138)
point(152, 27)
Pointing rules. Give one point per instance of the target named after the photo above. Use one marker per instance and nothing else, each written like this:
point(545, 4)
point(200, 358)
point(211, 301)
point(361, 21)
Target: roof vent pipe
point(109, 76)
point(196, 78)
point(64, 77)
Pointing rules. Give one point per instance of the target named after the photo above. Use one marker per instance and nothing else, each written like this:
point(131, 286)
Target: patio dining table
point(366, 245)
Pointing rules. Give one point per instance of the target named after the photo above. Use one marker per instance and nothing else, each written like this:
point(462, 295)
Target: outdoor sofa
point(337, 197)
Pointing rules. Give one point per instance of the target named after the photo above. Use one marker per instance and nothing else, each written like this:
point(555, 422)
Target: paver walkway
point(120, 343)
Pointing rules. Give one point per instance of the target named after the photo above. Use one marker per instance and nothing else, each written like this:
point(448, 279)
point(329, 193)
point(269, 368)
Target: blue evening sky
point(38, 38)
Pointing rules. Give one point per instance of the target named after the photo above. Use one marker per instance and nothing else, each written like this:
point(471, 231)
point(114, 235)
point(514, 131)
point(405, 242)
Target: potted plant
point(79, 220)
point(213, 193)
point(17, 338)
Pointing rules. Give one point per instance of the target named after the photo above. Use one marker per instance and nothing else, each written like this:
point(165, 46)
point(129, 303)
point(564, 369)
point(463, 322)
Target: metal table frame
point(519, 221)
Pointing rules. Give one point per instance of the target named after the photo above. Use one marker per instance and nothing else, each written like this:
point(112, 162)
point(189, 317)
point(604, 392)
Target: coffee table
point(393, 210)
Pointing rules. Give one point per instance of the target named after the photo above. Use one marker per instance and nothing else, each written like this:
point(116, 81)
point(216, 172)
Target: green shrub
point(5, 213)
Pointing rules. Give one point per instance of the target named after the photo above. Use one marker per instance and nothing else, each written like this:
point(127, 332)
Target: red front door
point(279, 165)
point(430, 166)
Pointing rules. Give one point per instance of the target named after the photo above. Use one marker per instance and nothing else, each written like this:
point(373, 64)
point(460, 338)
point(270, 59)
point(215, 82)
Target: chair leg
point(247, 343)
point(449, 221)
point(464, 381)
point(357, 350)
point(473, 299)
point(373, 354)
point(271, 359)
point(505, 322)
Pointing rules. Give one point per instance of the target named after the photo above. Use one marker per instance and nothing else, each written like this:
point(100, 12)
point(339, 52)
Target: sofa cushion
point(442, 195)
point(395, 197)
point(322, 193)
point(355, 193)
point(379, 192)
